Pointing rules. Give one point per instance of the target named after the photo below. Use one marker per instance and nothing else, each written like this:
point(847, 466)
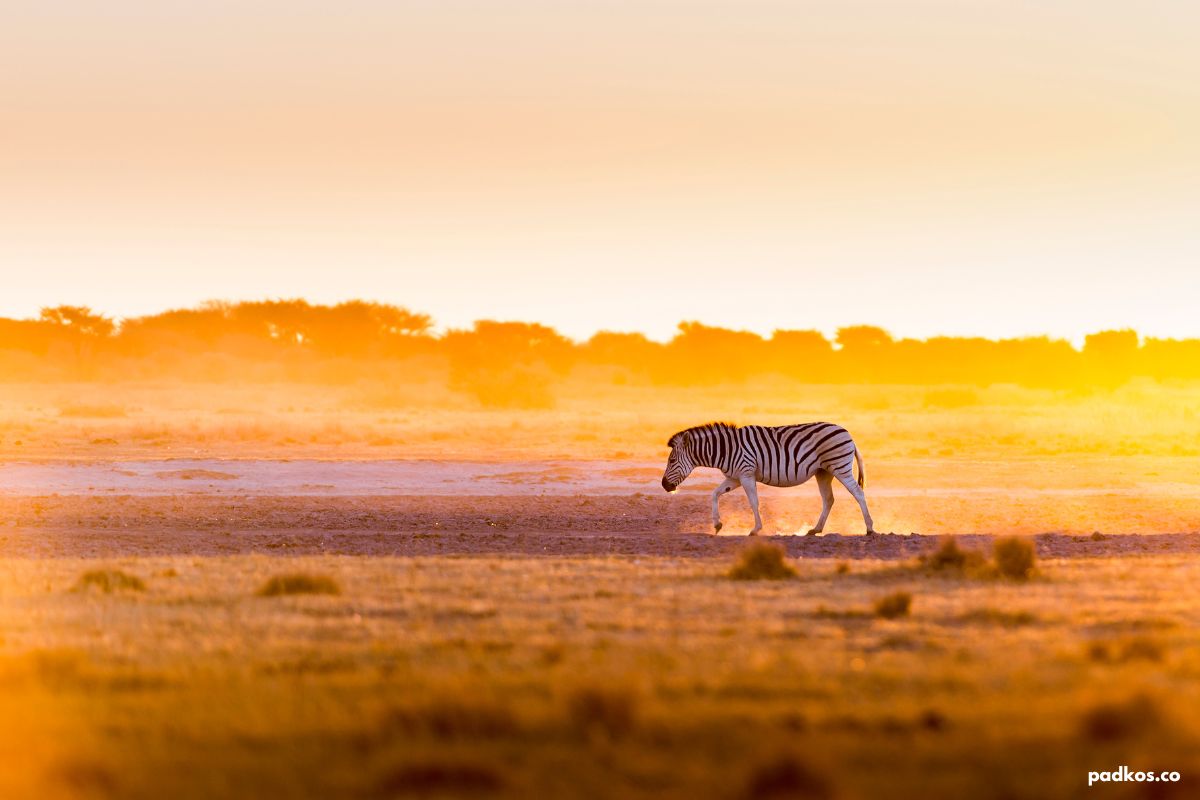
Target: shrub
point(786, 776)
point(454, 718)
point(109, 580)
point(1110, 722)
point(611, 711)
point(1137, 648)
point(299, 583)
point(842, 568)
point(893, 605)
point(995, 616)
point(761, 561)
point(439, 778)
point(950, 558)
point(1015, 557)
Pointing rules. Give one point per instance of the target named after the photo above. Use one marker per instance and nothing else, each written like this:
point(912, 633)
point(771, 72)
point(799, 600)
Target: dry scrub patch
point(109, 580)
point(762, 561)
point(604, 676)
point(894, 605)
point(299, 583)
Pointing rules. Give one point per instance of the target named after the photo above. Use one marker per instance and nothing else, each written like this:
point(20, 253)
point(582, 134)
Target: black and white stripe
point(787, 455)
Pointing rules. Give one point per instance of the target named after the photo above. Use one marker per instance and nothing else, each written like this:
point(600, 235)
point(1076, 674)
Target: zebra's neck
point(715, 446)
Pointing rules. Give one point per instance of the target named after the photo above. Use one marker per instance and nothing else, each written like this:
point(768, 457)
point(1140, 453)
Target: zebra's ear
point(685, 440)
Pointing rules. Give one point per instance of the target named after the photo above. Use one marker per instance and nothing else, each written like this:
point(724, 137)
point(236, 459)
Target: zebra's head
point(680, 463)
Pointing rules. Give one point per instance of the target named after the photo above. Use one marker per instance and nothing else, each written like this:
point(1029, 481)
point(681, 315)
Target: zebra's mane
point(698, 429)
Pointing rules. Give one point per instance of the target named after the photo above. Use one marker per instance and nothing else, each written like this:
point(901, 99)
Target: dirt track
point(480, 525)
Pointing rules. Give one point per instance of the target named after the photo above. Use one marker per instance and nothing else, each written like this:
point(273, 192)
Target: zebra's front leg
point(751, 487)
point(727, 485)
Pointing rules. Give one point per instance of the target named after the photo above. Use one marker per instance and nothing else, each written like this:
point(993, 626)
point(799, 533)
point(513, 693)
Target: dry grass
point(109, 580)
point(762, 561)
point(787, 776)
point(1015, 557)
point(299, 583)
point(433, 679)
point(609, 711)
point(893, 605)
point(950, 558)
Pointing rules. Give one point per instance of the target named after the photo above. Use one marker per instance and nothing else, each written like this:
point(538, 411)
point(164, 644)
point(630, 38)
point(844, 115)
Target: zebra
point(780, 456)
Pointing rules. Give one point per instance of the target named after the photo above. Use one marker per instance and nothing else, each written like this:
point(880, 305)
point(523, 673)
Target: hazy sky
point(945, 166)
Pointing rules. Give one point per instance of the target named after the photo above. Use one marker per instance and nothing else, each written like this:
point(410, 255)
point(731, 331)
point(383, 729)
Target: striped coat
point(786, 455)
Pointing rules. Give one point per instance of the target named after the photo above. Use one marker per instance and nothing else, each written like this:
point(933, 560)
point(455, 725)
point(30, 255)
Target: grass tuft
point(450, 718)
point(1015, 557)
point(299, 583)
point(894, 605)
point(761, 561)
point(1136, 648)
point(109, 580)
point(441, 778)
point(787, 776)
point(996, 616)
point(609, 711)
point(1112, 722)
point(949, 557)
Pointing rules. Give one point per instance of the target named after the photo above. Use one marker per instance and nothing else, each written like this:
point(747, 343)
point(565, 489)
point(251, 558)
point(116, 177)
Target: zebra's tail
point(862, 475)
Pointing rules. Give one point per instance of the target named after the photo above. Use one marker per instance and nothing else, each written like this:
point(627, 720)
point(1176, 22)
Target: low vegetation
point(762, 561)
point(110, 580)
point(1015, 557)
point(609, 711)
point(894, 605)
point(594, 676)
point(299, 583)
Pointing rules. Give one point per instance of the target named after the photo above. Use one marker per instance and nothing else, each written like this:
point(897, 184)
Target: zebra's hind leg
point(825, 484)
point(847, 480)
point(727, 485)
point(751, 487)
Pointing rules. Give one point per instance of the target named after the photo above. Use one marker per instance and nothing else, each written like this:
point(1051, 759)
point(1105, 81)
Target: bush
point(948, 556)
point(109, 580)
point(787, 776)
point(951, 558)
point(454, 718)
point(440, 778)
point(299, 583)
point(1110, 722)
point(761, 561)
point(606, 710)
point(893, 605)
point(1015, 557)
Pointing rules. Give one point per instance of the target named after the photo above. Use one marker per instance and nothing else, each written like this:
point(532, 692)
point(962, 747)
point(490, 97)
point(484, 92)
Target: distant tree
point(702, 354)
point(508, 364)
point(79, 320)
point(801, 354)
point(862, 337)
point(1110, 357)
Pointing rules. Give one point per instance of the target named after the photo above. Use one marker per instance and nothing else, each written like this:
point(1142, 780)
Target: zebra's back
point(789, 455)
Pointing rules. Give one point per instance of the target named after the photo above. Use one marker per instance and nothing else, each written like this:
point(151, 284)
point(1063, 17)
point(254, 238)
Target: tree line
point(297, 340)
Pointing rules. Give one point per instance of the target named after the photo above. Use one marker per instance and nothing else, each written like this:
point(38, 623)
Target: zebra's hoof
point(872, 533)
point(717, 527)
point(813, 532)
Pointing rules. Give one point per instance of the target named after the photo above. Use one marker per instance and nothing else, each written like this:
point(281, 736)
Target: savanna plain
point(388, 589)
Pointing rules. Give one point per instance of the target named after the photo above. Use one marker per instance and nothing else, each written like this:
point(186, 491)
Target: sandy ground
point(566, 629)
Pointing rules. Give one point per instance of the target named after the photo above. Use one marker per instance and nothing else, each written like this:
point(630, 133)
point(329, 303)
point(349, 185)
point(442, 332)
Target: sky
point(935, 167)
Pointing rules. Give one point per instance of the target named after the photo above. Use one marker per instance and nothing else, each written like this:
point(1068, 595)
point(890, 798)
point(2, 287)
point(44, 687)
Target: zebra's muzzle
point(667, 485)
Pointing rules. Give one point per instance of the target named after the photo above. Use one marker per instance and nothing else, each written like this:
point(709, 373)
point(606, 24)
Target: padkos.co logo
point(1121, 774)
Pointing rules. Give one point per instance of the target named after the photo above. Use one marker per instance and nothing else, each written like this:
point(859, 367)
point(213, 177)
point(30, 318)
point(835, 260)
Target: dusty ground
point(528, 615)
